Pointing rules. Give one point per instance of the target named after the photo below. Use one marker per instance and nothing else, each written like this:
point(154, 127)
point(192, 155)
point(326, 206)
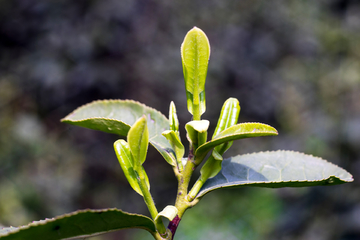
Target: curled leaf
point(176, 144)
point(126, 161)
point(169, 212)
point(173, 119)
point(228, 116)
point(197, 132)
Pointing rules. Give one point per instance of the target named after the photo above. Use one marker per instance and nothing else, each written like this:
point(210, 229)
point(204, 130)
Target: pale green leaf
point(174, 140)
point(238, 131)
point(138, 140)
point(83, 223)
point(195, 53)
point(197, 131)
point(169, 212)
point(274, 170)
point(126, 161)
point(173, 118)
point(116, 116)
point(228, 116)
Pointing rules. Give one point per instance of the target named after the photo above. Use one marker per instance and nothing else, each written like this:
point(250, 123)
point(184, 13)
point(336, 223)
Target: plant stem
point(195, 189)
point(183, 183)
point(157, 236)
point(196, 111)
point(150, 203)
point(173, 226)
point(206, 171)
point(182, 203)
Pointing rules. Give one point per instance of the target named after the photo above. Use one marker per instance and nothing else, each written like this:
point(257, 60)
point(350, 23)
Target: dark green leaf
point(274, 170)
point(116, 116)
point(84, 223)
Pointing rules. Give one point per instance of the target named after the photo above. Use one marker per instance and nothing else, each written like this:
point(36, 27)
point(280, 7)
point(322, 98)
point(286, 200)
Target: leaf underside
point(274, 170)
point(83, 223)
point(117, 116)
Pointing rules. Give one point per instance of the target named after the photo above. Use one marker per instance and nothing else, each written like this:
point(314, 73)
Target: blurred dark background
point(292, 64)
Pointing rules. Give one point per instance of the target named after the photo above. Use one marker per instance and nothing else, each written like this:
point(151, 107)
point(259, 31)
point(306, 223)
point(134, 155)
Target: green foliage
point(228, 117)
point(138, 139)
point(195, 54)
point(143, 125)
point(177, 146)
point(80, 223)
point(126, 160)
point(238, 131)
point(197, 132)
point(275, 170)
point(117, 116)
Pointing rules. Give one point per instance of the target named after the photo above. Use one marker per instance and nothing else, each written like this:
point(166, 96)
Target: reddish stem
point(173, 225)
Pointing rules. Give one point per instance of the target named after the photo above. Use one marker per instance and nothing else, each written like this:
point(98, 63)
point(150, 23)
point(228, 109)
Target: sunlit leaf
point(173, 118)
point(195, 53)
point(274, 170)
point(175, 142)
point(117, 116)
point(138, 140)
point(125, 158)
point(238, 131)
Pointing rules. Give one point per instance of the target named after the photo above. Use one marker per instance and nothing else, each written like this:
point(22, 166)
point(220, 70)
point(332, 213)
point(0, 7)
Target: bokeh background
point(292, 64)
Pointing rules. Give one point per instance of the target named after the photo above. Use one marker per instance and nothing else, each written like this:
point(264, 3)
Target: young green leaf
point(228, 117)
point(274, 170)
point(173, 119)
point(195, 53)
point(197, 132)
point(138, 139)
point(126, 161)
point(81, 224)
point(176, 144)
point(238, 131)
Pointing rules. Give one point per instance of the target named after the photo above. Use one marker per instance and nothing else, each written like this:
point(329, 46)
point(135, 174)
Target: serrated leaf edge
point(226, 185)
point(111, 101)
point(202, 193)
point(301, 153)
point(245, 123)
point(66, 118)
